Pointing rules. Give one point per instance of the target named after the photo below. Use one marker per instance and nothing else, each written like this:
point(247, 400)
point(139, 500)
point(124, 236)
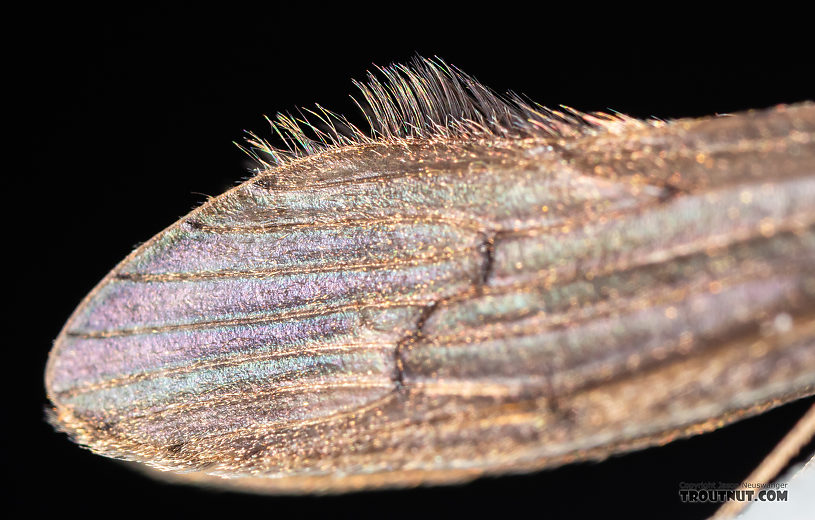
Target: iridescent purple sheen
point(411, 310)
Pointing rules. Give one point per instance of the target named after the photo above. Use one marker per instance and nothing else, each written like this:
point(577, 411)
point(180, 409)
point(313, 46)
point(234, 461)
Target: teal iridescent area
point(429, 309)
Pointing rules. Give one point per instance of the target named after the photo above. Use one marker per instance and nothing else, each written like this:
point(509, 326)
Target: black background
point(128, 124)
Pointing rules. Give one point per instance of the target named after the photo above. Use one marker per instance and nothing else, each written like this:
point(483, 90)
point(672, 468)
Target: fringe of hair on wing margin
point(426, 99)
